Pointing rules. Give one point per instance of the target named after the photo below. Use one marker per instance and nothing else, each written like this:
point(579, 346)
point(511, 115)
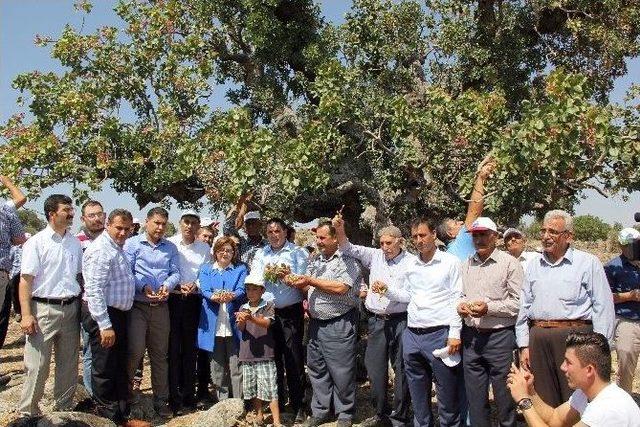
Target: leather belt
point(553, 324)
point(56, 301)
point(390, 315)
point(150, 304)
point(421, 331)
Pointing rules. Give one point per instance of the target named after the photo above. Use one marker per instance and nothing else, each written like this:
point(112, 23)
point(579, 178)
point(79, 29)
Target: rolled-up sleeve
point(361, 253)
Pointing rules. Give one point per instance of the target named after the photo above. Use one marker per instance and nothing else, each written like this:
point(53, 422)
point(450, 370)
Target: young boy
point(256, 350)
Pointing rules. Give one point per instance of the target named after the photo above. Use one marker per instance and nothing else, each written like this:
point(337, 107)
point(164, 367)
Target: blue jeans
point(86, 361)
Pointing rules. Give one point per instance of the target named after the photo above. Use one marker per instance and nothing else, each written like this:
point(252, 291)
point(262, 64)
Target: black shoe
point(342, 422)
point(178, 410)
point(85, 405)
point(4, 380)
point(163, 410)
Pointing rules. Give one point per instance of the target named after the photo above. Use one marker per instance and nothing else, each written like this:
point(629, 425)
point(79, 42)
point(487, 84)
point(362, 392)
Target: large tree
point(388, 113)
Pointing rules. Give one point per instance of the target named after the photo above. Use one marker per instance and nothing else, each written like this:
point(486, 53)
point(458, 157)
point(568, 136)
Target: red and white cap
point(483, 223)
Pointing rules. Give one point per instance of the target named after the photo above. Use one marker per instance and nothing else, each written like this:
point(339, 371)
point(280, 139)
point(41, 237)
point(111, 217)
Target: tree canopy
point(392, 109)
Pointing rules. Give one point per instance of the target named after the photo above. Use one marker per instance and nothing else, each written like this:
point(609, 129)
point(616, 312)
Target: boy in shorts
point(256, 350)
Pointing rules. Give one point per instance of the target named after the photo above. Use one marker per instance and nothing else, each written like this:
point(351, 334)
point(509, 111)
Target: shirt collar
point(493, 257)
point(261, 304)
point(336, 254)
point(436, 258)
point(288, 247)
point(144, 240)
point(109, 240)
point(396, 260)
point(217, 266)
point(51, 233)
point(568, 256)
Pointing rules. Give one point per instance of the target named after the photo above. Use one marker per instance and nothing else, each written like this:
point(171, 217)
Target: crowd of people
point(247, 313)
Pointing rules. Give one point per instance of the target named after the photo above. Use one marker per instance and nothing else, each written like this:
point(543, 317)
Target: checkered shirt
point(10, 227)
point(108, 279)
point(341, 268)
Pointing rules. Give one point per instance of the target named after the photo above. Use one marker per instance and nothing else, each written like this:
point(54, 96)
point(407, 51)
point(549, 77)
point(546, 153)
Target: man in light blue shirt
point(454, 234)
point(431, 285)
point(565, 289)
point(288, 326)
point(155, 264)
point(387, 322)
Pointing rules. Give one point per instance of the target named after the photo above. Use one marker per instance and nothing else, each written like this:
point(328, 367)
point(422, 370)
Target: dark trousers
point(421, 368)
point(288, 330)
point(204, 373)
point(184, 316)
point(109, 380)
point(384, 344)
point(331, 363)
point(486, 359)
point(5, 313)
point(546, 354)
point(15, 296)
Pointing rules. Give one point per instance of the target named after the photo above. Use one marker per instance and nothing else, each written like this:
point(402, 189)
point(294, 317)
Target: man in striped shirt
point(108, 297)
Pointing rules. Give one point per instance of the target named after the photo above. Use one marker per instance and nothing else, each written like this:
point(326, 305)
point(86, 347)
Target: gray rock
point(225, 413)
point(63, 419)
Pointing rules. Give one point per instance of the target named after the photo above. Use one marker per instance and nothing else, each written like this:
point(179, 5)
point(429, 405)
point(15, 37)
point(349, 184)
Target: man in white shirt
point(431, 285)
point(184, 314)
point(595, 402)
point(514, 242)
point(49, 290)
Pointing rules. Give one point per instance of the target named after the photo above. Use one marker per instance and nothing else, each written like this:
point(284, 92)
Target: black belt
point(149, 303)
point(389, 316)
point(325, 321)
point(420, 331)
point(56, 301)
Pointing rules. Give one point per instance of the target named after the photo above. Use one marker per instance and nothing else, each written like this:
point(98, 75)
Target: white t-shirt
point(611, 407)
point(191, 257)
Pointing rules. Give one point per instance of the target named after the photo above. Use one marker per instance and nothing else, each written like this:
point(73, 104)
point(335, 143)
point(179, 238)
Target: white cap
point(190, 212)
point(136, 220)
point(628, 235)
point(27, 235)
point(483, 223)
point(254, 279)
point(509, 231)
point(251, 215)
point(450, 360)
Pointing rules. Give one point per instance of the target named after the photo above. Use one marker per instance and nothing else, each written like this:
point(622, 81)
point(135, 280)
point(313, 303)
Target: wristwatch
point(525, 403)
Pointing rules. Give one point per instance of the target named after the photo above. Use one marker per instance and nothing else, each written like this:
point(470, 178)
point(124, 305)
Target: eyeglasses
point(95, 215)
point(225, 251)
point(551, 232)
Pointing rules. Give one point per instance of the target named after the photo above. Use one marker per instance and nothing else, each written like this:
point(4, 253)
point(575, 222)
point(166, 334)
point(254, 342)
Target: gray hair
point(558, 213)
point(390, 230)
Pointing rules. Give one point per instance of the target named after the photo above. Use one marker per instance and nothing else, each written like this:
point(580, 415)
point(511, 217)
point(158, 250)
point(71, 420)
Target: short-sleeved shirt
point(257, 343)
point(462, 246)
point(623, 276)
point(191, 257)
point(341, 268)
point(55, 262)
point(611, 407)
point(496, 281)
point(10, 228)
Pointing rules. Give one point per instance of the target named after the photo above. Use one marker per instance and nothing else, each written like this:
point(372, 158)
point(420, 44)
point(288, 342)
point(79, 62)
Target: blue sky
point(21, 20)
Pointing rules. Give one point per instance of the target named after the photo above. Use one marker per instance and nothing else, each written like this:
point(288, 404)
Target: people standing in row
point(332, 284)
point(109, 288)
point(623, 274)
point(388, 320)
point(565, 290)
point(50, 287)
point(155, 264)
point(288, 326)
point(222, 287)
point(432, 288)
point(184, 314)
point(492, 282)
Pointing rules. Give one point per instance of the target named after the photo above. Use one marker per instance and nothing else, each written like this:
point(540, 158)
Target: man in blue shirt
point(453, 233)
point(155, 264)
point(288, 326)
point(623, 274)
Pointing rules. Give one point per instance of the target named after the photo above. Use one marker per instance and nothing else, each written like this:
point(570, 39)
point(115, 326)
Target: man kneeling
point(595, 401)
